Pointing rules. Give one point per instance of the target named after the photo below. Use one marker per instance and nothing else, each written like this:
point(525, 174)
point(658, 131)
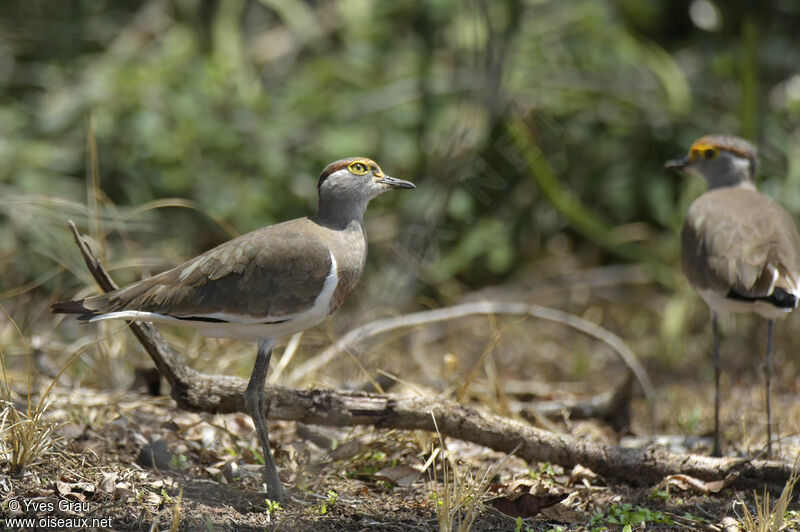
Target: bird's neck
point(340, 215)
point(746, 184)
point(735, 172)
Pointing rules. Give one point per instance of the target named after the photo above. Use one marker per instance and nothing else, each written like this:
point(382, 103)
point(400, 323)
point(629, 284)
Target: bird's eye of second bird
point(358, 168)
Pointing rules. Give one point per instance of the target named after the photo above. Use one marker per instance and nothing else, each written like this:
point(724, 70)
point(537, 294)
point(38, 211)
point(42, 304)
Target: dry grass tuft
point(458, 500)
point(771, 518)
point(26, 438)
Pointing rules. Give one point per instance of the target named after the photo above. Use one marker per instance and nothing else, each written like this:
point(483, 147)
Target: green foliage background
point(532, 127)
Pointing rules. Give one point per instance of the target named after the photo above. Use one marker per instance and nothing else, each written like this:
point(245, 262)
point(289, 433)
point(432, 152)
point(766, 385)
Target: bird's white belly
point(245, 327)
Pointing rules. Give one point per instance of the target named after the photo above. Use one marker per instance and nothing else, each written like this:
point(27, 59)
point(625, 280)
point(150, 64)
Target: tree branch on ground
point(196, 391)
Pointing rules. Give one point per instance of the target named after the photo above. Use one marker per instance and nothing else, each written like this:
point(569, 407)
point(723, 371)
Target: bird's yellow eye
point(358, 168)
point(703, 151)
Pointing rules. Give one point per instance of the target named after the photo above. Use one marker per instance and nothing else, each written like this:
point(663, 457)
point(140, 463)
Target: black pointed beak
point(393, 182)
point(678, 164)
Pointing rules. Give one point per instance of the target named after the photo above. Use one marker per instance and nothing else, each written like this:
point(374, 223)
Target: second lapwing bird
point(740, 249)
point(263, 285)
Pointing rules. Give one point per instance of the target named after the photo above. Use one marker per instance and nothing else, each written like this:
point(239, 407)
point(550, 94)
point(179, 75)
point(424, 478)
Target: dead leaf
point(519, 487)
point(152, 499)
point(75, 496)
point(526, 505)
point(230, 471)
point(583, 475)
point(107, 483)
point(401, 476)
point(561, 513)
point(123, 491)
point(62, 488)
point(346, 450)
point(685, 482)
point(83, 487)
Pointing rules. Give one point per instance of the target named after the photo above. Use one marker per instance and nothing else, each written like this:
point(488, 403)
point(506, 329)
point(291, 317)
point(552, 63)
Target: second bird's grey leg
point(254, 402)
point(717, 450)
point(767, 379)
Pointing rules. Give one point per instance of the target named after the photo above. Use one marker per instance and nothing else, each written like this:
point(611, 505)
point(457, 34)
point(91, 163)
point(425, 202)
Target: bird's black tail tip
point(71, 307)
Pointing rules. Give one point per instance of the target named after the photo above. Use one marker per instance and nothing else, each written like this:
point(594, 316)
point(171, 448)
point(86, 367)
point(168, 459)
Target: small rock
point(71, 431)
point(155, 455)
point(729, 524)
point(230, 471)
point(123, 491)
point(170, 425)
point(107, 483)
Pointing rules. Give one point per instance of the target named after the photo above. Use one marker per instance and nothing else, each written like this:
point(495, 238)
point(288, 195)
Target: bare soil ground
point(137, 462)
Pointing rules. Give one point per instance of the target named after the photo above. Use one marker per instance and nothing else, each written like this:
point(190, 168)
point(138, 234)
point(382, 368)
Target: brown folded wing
point(267, 274)
point(737, 239)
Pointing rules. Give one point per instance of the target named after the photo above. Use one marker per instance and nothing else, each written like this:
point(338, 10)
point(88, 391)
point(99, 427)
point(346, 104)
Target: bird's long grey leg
point(717, 451)
point(254, 402)
point(767, 379)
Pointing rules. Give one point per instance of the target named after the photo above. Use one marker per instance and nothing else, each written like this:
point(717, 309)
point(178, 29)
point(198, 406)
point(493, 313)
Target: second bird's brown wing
point(736, 239)
point(267, 274)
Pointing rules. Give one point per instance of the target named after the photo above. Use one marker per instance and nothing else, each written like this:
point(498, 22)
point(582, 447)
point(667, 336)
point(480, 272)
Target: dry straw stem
point(349, 341)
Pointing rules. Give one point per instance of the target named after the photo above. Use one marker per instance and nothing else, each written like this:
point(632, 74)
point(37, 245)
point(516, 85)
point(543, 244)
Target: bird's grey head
point(346, 187)
point(723, 160)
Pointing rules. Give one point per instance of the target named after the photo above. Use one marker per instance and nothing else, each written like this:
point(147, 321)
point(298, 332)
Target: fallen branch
point(612, 407)
point(196, 391)
point(425, 317)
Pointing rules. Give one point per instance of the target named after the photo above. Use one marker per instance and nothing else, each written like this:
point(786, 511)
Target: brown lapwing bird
point(741, 250)
point(263, 285)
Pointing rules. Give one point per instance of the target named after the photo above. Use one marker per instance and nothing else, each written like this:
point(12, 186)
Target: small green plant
point(332, 498)
point(166, 497)
point(690, 421)
point(273, 507)
point(545, 474)
point(696, 518)
point(257, 458)
point(370, 463)
point(178, 461)
point(660, 495)
point(626, 514)
point(792, 519)
point(518, 527)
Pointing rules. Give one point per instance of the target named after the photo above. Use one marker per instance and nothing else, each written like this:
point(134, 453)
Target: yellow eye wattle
point(358, 168)
point(703, 151)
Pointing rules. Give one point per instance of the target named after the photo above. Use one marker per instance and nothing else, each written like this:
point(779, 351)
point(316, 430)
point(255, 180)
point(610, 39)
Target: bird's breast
point(351, 255)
